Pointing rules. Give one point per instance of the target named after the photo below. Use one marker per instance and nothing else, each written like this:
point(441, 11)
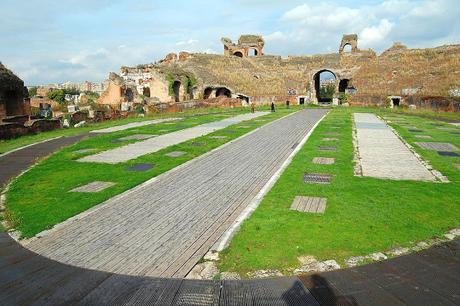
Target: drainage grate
point(437, 146)
point(229, 131)
point(444, 153)
point(423, 136)
point(175, 154)
point(317, 178)
point(415, 131)
point(309, 204)
point(141, 167)
point(455, 133)
point(323, 160)
point(332, 133)
point(137, 137)
point(217, 137)
point(326, 148)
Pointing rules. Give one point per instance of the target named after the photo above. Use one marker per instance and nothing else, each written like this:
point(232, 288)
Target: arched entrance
point(207, 92)
point(222, 91)
point(176, 89)
point(238, 54)
point(343, 85)
point(146, 92)
point(129, 95)
point(347, 48)
point(325, 85)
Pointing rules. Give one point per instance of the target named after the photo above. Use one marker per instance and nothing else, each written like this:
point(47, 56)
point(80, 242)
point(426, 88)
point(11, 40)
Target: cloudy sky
point(45, 41)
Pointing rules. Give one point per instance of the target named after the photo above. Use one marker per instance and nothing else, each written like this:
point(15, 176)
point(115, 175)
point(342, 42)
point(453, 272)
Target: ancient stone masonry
point(402, 76)
point(246, 44)
point(13, 95)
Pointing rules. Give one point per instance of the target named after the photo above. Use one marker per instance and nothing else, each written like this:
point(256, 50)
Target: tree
point(57, 95)
point(32, 92)
point(327, 92)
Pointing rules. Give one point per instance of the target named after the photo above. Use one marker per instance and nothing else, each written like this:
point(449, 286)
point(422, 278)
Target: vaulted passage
point(238, 54)
point(325, 85)
point(207, 92)
point(146, 92)
point(129, 95)
point(176, 89)
point(222, 91)
point(343, 85)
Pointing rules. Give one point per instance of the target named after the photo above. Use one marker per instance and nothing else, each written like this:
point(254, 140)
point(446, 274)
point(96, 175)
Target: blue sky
point(68, 40)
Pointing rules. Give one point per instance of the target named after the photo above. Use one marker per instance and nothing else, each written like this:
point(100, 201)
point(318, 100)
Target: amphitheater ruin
point(244, 74)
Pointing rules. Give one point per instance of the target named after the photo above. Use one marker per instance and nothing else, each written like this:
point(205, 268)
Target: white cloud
point(188, 42)
point(374, 36)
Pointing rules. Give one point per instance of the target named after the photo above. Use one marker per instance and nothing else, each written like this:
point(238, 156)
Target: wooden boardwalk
point(165, 226)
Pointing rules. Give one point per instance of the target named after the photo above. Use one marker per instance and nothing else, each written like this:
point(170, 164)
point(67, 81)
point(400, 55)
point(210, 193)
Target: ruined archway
point(129, 95)
point(343, 85)
point(253, 52)
point(238, 54)
point(222, 91)
point(176, 89)
point(347, 48)
point(146, 92)
point(207, 92)
point(325, 85)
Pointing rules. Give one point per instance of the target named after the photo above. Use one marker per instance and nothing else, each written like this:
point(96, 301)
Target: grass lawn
point(363, 215)
point(11, 144)
point(444, 116)
point(40, 199)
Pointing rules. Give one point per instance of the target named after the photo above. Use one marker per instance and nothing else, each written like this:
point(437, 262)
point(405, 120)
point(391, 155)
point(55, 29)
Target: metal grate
point(444, 153)
point(198, 144)
point(137, 137)
point(317, 178)
point(141, 167)
point(217, 137)
point(423, 136)
point(326, 148)
point(415, 131)
point(309, 204)
point(455, 133)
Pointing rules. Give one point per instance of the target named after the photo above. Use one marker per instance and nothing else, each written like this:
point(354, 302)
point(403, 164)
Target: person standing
point(287, 103)
point(253, 108)
point(272, 107)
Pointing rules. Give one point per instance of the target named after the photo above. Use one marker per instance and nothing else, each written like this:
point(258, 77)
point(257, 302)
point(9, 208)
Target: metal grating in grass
point(175, 154)
point(451, 154)
point(141, 167)
point(437, 146)
point(327, 148)
point(317, 178)
point(137, 137)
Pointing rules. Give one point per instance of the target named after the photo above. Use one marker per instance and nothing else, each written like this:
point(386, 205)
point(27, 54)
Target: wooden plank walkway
point(140, 148)
point(430, 277)
point(383, 155)
point(165, 226)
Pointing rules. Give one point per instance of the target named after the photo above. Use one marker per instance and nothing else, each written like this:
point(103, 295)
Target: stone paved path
point(165, 226)
point(383, 154)
point(135, 150)
point(132, 125)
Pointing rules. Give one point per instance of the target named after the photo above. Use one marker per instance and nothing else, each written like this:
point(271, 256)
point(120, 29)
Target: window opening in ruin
point(238, 53)
point(343, 85)
point(396, 101)
point(146, 92)
point(253, 52)
point(176, 88)
point(325, 86)
point(129, 95)
point(223, 92)
point(302, 101)
point(347, 48)
point(207, 93)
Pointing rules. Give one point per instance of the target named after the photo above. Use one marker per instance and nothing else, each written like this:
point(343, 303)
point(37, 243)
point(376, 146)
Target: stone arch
point(349, 39)
point(223, 91)
point(146, 92)
point(129, 94)
point(343, 85)
point(317, 83)
point(176, 89)
point(238, 54)
point(207, 92)
point(347, 48)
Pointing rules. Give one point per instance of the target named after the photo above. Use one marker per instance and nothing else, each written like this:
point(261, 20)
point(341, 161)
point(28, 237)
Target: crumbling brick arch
point(223, 91)
point(207, 92)
point(349, 40)
point(238, 54)
point(317, 84)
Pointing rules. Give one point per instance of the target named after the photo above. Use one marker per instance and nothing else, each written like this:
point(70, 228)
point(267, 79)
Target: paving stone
point(399, 251)
point(326, 148)
point(318, 266)
point(437, 146)
point(84, 151)
point(229, 131)
point(330, 139)
point(317, 178)
point(446, 129)
point(137, 137)
point(448, 153)
point(324, 160)
point(309, 204)
point(141, 167)
point(244, 127)
point(230, 276)
point(423, 136)
point(218, 137)
point(175, 154)
point(265, 274)
point(163, 131)
point(93, 187)
point(198, 144)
